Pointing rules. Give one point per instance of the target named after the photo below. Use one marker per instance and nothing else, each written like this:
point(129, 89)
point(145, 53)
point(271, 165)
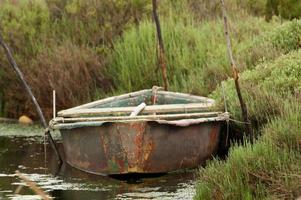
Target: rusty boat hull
point(179, 132)
point(140, 147)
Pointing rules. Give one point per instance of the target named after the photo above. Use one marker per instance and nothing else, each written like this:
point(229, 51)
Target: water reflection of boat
point(174, 131)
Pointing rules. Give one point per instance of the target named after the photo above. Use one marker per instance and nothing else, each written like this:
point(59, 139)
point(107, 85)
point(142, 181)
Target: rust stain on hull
point(140, 147)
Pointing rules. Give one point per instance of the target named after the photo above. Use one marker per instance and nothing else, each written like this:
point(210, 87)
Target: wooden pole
point(140, 117)
point(162, 60)
point(53, 104)
point(243, 106)
point(33, 186)
point(28, 90)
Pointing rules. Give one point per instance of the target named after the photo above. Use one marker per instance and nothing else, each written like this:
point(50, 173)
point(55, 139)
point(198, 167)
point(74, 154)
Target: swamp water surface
point(22, 148)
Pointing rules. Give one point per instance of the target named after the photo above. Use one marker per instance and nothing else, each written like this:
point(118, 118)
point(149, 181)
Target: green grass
point(195, 54)
point(122, 37)
point(269, 169)
point(265, 88)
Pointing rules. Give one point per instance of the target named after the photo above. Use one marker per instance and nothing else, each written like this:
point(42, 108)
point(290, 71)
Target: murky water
point(21, 148)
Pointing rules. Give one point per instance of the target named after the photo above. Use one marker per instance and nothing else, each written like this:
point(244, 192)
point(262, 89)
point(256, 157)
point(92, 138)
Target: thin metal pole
point(28, 90)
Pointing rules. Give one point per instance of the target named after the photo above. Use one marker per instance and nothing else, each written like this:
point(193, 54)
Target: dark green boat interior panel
point(147, 98)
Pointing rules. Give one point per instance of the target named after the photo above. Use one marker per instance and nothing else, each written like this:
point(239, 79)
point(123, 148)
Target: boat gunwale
point(210, 102)
point(62, 125)
point(200, 110)
point(165, 108)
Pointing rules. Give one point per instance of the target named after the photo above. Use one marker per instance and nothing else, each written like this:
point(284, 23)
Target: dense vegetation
point(89, 49)
point(270, 168)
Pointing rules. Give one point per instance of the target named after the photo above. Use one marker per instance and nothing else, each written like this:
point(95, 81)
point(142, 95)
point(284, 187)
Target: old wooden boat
point(172, 132)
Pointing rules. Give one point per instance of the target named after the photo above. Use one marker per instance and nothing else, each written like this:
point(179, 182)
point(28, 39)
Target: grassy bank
point(270, 168)
point(265, 88)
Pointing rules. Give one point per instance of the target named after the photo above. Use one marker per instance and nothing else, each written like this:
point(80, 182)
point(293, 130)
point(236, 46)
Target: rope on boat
point(237, 121)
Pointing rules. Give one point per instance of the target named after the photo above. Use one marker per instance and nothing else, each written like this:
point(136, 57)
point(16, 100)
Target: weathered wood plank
point(149, 117)
point(172, 108)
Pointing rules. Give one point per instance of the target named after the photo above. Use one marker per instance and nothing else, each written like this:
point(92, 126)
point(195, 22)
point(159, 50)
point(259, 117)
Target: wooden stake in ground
point(28, 90)
point(161, 55)
point(243, 106)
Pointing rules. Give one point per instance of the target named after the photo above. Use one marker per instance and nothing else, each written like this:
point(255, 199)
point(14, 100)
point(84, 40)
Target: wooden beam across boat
point(158, 109)
point(143, 117)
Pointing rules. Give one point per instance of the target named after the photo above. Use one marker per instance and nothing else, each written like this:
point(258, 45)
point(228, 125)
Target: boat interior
point(156, 102)
point(156, 105)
